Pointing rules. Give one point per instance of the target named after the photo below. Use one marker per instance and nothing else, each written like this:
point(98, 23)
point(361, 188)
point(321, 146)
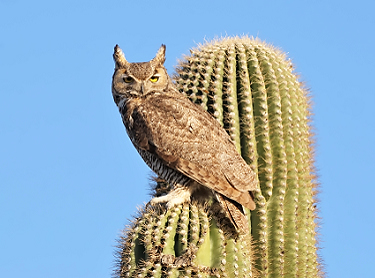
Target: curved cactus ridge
point(251, 89)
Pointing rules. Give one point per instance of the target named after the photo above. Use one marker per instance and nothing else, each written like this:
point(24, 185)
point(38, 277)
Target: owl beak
point(142, 87)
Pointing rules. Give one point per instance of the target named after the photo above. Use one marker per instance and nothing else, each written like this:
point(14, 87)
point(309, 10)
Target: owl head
point(135, 80)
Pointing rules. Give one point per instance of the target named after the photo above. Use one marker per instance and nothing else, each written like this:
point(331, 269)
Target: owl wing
point(191, 141)
point(235, 213)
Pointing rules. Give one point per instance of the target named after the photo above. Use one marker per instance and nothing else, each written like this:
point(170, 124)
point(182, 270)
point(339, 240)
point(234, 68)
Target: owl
point(181, 142)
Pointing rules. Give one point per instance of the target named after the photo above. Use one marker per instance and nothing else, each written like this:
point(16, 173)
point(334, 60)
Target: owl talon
point(175, 197)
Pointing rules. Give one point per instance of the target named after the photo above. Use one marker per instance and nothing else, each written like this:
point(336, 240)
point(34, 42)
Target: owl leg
point(178, 195)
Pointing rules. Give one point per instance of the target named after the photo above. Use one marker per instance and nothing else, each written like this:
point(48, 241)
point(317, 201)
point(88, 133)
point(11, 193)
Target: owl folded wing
point(188, 139)
point(215, 180)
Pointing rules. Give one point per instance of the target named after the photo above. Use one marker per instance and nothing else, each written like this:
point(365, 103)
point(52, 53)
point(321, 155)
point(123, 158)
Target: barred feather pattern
point(173, 177)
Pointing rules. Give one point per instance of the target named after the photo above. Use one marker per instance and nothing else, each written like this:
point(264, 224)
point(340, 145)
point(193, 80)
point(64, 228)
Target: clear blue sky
point(69, 176)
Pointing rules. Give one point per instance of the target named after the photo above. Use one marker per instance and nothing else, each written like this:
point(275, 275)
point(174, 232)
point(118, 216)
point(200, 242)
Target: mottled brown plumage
point(178, 140)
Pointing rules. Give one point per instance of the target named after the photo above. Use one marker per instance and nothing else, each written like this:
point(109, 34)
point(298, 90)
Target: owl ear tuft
point(119, 58)
point(160, 56)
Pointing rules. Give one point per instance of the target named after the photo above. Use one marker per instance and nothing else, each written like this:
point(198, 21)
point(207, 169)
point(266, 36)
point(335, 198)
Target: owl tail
point(235, 213)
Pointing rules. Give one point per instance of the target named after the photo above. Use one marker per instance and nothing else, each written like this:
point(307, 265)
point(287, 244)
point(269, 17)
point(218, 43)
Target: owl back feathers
point(186, 138)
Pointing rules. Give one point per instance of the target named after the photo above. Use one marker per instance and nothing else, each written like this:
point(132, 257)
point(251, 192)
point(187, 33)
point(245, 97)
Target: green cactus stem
point(251, 89)
point(182, 242)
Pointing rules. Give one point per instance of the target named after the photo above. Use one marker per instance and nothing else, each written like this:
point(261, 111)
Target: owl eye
point(154, 79)
point(127, 79)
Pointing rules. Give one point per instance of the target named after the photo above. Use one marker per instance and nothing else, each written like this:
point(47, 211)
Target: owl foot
point(177, 196)
point(173, 198)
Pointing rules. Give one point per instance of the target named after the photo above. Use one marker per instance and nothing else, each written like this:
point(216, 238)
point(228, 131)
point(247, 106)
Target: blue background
point(70, 178)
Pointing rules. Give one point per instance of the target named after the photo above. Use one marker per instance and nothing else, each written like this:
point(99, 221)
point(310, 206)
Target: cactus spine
point(251, 89)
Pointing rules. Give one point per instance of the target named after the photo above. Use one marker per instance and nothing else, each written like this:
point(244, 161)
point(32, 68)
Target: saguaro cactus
point(250, 88)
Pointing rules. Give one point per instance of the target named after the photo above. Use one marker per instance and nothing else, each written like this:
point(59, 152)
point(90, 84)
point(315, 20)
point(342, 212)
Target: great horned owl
point(181, 142)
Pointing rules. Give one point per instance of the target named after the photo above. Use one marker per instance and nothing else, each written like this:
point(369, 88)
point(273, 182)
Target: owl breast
point(135, 127)
point(170, 175)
